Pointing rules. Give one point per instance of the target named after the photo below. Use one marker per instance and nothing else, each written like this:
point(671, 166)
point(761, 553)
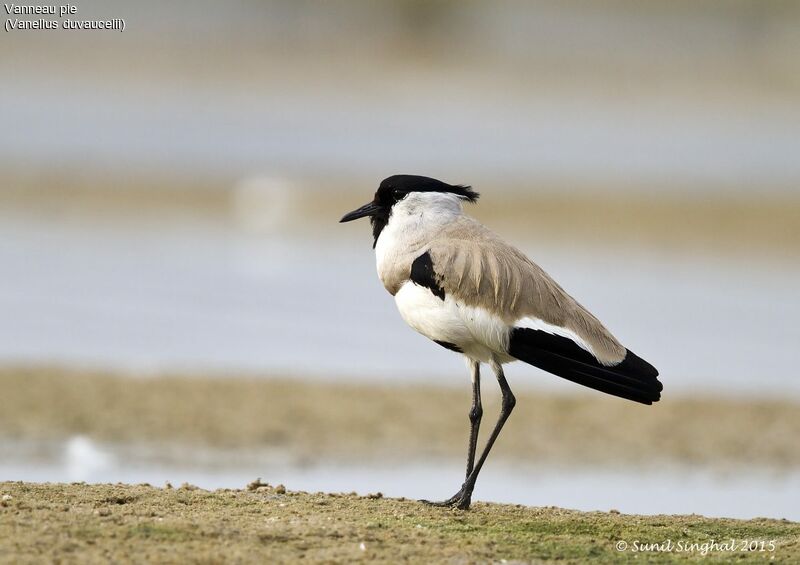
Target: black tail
point(633, 378)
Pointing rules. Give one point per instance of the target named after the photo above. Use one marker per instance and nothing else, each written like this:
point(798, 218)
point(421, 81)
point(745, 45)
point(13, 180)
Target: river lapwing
point(457, 283)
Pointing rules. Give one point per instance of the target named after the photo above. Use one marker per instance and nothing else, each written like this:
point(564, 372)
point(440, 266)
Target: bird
point(459, 284)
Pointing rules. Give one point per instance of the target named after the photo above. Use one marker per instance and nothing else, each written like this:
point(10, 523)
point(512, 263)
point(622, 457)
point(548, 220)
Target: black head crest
point(396, 187)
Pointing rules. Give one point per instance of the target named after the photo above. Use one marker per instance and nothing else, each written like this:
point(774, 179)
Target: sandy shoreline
point(326, 421)
point(124, 523)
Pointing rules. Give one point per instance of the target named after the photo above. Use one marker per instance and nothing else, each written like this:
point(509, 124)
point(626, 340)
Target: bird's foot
point(461, 500)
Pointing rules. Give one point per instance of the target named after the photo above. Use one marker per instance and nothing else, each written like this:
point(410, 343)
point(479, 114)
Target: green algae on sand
point(123, 523)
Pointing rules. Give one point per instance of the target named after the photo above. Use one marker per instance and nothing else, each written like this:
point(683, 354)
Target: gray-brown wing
point(477, 267)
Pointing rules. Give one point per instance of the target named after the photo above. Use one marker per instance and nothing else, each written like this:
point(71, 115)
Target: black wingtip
point(633, 379)
point(636, 365)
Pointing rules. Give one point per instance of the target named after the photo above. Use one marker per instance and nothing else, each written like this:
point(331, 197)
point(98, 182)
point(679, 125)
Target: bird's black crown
point(396, 187)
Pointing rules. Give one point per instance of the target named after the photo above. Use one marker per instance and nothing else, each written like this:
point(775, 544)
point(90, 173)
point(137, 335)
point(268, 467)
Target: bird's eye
point(398, 194)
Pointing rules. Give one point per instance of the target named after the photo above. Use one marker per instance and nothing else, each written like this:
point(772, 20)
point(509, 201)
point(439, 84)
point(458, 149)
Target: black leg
point(475, 414)
point(463, 498)
point(507, 406)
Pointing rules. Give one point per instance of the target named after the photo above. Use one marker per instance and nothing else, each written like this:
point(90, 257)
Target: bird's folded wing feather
point(476, 267)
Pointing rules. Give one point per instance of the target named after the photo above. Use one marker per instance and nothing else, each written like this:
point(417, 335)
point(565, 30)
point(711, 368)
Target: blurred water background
point(170, 194)
point(201, 298)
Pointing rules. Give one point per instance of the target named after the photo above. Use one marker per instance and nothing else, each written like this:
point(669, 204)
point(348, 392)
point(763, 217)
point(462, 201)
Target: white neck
point(433, 206)
point(417, 217)
point(415, 220)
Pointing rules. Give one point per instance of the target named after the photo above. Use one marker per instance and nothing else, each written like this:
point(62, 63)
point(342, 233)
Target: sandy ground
point(79, 523)
point(314, 420)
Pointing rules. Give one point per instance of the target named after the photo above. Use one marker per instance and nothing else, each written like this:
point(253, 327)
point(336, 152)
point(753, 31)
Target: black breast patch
point(448, 345)
point(422, 274)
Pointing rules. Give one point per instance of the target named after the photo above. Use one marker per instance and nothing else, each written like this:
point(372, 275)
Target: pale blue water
point(320, 129)
point(206, 298)
point(667, 98)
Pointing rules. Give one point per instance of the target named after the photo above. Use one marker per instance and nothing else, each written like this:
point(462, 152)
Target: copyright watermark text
point(697, 547)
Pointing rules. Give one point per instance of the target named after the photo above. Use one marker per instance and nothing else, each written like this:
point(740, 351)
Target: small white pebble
point(362, 546)
point(7, 497)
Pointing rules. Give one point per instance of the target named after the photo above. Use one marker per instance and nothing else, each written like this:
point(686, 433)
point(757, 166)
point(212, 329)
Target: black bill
point(366, 210)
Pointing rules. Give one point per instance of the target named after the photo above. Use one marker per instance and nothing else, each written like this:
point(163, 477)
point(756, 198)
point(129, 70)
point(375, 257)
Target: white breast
point(479, 334)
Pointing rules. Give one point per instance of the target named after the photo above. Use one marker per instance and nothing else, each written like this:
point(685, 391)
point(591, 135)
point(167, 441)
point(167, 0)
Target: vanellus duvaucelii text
point(460, 285)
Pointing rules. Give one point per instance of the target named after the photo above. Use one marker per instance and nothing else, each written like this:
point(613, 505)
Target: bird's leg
point(475, 414)
point(508, 403)
point(463, 498)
